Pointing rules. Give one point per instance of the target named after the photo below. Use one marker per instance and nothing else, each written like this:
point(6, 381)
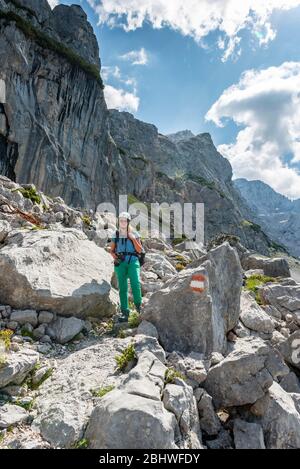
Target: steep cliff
point(53, 127)
point(56, 131)
point(278, 215)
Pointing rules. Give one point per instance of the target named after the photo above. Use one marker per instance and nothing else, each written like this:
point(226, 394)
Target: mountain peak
point(181, 135)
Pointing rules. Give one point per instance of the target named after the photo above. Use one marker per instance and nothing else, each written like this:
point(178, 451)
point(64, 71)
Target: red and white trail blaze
point(198, 283)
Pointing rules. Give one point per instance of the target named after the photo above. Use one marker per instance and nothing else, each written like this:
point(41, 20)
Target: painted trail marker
point(198, 283)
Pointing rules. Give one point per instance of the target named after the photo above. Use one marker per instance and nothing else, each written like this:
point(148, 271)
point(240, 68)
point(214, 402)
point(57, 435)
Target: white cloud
point(120, 99)
point(197, 18)
point(136, 57)
point(53, 3)
point(266, 103)
point(110, 71)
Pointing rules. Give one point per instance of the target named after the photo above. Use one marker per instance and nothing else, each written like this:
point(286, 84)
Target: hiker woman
point(125, 247)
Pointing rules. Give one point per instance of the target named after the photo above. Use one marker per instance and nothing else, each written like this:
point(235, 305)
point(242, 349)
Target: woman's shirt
point(126, 245)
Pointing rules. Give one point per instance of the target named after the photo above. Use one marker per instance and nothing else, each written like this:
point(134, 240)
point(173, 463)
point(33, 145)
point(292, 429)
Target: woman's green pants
point(129, 271)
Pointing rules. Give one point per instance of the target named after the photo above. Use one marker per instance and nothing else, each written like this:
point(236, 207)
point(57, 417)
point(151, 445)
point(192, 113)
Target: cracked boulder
point(57, 271)
point(190, 319)
point(245, 375)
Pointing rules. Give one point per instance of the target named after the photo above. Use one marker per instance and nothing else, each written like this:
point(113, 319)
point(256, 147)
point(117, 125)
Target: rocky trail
point(204, 368)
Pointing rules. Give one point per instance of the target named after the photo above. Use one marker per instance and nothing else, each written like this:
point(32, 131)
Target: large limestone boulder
point(65, 399)
point(59, 271)
point(129, 421)
point(277, 267)
point(279, 419)
point(284, 296)
point(245, 374)
point(143, 412)
point(253, 316)
point(253, 261)
point(17, 366)
point(191, 320)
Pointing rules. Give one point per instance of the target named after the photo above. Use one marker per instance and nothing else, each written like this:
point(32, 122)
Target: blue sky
point(238, 81)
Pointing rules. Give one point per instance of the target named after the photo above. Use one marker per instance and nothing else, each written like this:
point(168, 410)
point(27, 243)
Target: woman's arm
point(136, 242)
point(113, 250)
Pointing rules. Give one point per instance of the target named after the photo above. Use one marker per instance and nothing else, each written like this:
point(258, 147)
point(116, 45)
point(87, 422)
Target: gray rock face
point(11, 415)
point(283, 431)
point(74, 30)
point(4, 230)
point(181, 135)
point(146, 328)
point(57, 271)
point(296, 398)
point(109, 426)
point(144, 343)
point(285, 297)
point(193, 367)
point(189, 320)
point(291, 383)
point(253, 316)
point(244, 375)
point(65, 402)
point(277, 267)
point(146, 379)
point(55, 116)
point(248, 435)
point(144, 413)
point(25, 316)
point(209, 421)
point(290, 349)
point(17, 367)
point(179, 400)
point(66, 329)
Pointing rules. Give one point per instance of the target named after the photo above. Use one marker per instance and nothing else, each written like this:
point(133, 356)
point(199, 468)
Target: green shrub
point(26, 333)
point(5, 337)
point(35, 386)
point(87, 220)
point(201, 180)
point(31, 194)
point(132, 199)
point(250, 224)
point(133, 319)
point(81, 444)
point(26, 405)
point(172, 374)
point(254, 282)
point(125, 357)
point(102, 391)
